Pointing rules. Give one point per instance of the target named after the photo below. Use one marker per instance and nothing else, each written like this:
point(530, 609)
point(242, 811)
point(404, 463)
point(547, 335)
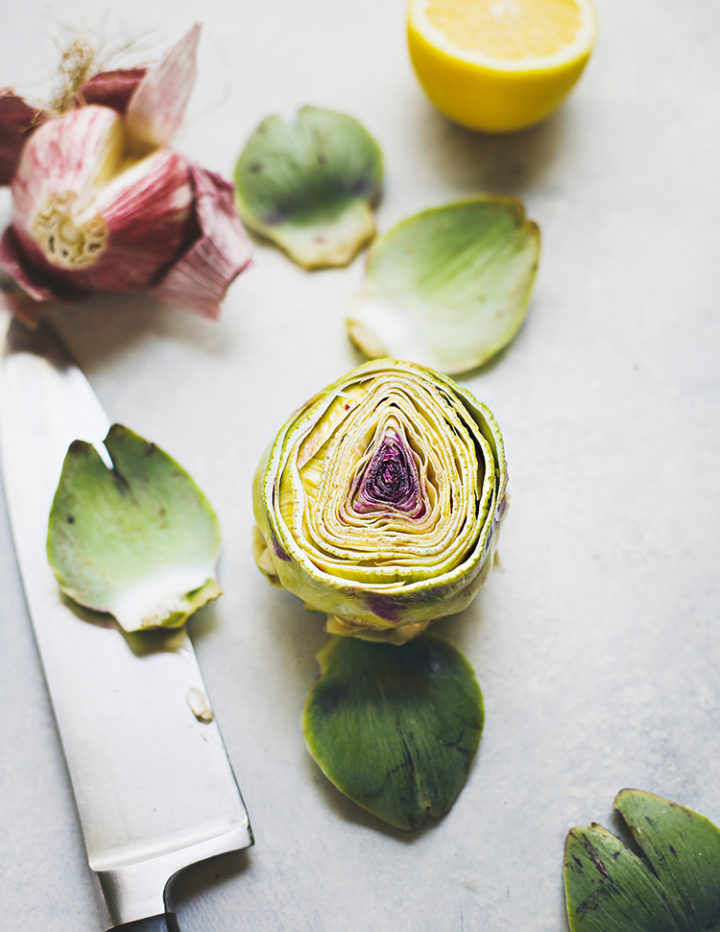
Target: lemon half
point(499, 65)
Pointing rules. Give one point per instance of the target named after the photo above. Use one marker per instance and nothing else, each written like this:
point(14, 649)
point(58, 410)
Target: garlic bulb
point(101, 203)
point(92, 216)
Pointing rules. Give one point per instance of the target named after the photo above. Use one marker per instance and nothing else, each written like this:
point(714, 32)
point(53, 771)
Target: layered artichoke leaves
point(379, 501)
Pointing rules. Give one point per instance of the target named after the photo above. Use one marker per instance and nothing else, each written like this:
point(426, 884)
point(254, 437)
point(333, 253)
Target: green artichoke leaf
point(138, 540)
point(683, 849)
point(395, 728)
point(310, 186)
point(448, 287)
point(671, 885)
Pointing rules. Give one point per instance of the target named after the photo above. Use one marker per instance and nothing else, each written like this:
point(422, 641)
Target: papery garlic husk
point(111, 88)
point(101, 203)
point(17, 121)
point(380, 501)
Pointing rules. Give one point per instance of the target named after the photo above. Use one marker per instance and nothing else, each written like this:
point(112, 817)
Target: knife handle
point(167, 922)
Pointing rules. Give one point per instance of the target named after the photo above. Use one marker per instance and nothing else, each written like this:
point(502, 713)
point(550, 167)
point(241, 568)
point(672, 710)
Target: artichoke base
point(351, 627)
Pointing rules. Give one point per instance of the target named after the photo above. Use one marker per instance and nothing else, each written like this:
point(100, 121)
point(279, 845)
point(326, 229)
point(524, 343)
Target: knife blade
point(153, 785)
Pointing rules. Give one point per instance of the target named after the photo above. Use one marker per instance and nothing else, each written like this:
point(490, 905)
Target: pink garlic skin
point(143, 214)
point(111, 88)
point(99, 202)
point(199, 279)
point(17, 121)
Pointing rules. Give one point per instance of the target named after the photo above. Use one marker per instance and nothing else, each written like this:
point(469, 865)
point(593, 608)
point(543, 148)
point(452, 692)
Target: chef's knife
point(154, 788)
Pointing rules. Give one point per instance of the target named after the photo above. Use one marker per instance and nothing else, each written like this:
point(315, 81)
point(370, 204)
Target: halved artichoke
point(379, 501)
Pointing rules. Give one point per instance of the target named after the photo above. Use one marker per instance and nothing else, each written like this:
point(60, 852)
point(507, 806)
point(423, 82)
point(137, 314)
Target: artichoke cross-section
point(380, 501)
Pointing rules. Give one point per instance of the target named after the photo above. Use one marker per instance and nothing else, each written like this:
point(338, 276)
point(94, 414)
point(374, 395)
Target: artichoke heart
point(379, 501)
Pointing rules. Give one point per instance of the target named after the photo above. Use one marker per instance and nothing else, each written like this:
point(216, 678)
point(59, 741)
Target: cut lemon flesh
point(499, 65)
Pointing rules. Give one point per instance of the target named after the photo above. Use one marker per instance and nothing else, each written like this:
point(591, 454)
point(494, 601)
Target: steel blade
point(152, 781)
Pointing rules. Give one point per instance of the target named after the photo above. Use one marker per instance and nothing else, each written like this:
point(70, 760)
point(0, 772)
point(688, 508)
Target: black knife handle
point(167, 922)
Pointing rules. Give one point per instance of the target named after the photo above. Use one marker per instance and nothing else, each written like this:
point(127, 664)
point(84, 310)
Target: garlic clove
point(64, 157)
point(147, 210)
point(156, 108)
point(111, 88)
point(199, 280)
point(100, 202)
point(94, 216)
point(17, 120)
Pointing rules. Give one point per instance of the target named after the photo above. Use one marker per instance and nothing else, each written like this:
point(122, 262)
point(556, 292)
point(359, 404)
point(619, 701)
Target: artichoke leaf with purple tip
point(380, 500)
point(309, 186)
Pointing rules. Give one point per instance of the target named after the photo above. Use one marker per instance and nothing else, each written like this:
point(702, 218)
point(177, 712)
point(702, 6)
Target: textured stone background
point(596, 645)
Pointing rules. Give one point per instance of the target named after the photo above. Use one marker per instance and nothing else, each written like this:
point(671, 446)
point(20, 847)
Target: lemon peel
point(499, 65)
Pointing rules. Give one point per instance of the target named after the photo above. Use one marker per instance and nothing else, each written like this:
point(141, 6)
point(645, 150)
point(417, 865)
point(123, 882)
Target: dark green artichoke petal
point(395, 728)
point(671, 885)
point(683, 850)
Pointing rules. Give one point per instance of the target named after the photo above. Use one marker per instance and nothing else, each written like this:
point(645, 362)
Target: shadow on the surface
point(299, 634)
point(510, 163)
point(189, 885)
point(461, 630)
point(152, 640)
point(107, 325)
